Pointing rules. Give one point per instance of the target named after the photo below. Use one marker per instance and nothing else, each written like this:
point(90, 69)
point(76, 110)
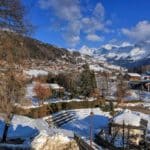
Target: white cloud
point(99, 11)
point(140, 32)
point(93, 37)
point(92, 25)
point(69, 11)
point(64, 9)
point(74, 40)
point(72, 33)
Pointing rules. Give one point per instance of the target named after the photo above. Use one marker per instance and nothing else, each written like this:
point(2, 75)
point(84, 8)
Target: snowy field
point(25, 128)
point(81, 126)
point(32, 132)
point(138, 95)
point(35, 131)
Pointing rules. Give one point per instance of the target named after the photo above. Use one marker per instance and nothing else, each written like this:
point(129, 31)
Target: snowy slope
point(81, 125)
point(24, 127)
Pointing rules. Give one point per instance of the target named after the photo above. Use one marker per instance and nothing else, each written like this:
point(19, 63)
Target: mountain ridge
point(28, 48)
point(126, 55)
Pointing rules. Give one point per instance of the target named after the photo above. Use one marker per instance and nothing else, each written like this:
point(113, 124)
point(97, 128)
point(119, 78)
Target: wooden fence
point(84, 145)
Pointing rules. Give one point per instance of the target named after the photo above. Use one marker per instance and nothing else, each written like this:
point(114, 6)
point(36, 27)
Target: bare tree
point(42, 92)
point(11, 91)
point(12, 16)
point(12, 19)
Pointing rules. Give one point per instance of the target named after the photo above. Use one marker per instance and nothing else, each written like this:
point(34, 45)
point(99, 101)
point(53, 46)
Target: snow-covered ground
point(24, 127)
point(81, 126)
point(44, 141)
point(38, 130)
point(34, 102)
point(138, 95)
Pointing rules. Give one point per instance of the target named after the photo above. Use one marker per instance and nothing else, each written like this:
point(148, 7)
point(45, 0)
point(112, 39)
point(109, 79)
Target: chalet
point(146, 76)
point(57, 90)
point(130, 126)
point(140, 85)
point(133, 76)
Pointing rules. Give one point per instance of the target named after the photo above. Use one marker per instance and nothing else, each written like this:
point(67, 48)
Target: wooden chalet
point(133, 77)
point(129, 126)
point(127, 129)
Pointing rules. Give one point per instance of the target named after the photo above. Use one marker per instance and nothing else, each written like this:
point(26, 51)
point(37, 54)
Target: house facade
point(129, 127)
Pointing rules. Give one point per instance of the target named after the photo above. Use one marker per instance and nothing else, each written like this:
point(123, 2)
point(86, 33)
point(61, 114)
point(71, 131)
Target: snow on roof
point(128, 117)
point(55, 86)
point(35, 73)
point(2, 127)
point(134, 74)
point(24, 127)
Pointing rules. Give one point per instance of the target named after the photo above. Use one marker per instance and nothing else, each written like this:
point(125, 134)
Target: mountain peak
point(125, 54)
point(86, 50)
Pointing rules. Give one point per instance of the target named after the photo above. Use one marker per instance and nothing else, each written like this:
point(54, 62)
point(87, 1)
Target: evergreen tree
point(87, 81)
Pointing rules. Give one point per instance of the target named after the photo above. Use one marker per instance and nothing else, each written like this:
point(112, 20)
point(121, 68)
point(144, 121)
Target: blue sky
point(74, 23)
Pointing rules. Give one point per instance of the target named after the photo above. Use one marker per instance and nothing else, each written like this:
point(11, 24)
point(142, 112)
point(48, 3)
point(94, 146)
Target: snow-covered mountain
point(125, 54)
point(87, 51)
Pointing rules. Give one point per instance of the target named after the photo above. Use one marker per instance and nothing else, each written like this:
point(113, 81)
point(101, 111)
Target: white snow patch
point(134, 74)
point(43, 140)
point(35, 73)
point(24, 127)
point(128, 117)
point(81, 126)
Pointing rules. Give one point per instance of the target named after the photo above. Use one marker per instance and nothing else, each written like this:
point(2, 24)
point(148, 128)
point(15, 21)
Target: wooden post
point(128, 140)
point(91, 128)
point(123, 134)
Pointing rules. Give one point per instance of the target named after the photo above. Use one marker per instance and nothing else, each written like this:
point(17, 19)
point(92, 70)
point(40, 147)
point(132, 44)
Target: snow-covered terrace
point(81, 126)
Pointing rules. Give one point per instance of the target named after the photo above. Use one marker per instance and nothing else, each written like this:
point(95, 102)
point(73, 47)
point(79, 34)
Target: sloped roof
point(128, 117)
point(134, 74)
